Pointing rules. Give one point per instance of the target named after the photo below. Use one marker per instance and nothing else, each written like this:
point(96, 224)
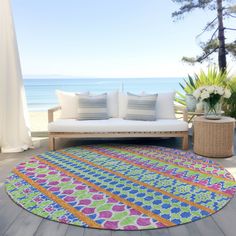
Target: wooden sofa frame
point(53, 135)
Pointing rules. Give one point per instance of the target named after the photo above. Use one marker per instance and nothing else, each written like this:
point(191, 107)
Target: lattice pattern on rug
point(125, 187)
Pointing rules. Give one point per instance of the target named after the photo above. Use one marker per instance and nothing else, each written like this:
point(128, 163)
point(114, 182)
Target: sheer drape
point(14, 130)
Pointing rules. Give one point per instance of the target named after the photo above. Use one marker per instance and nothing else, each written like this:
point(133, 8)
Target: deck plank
point(126, 233)
point(26, 224)
point(97, 232)
point(185, 230)
point(159, 232)
point(226, 220)
point(3, 195)
point(232, 203)
point(75, 231)
point(47, 227)
point(9, 211)
point(208, 227)
point(8, 215)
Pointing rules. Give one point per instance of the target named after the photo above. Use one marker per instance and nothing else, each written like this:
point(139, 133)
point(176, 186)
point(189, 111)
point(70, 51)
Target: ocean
point(40, 93)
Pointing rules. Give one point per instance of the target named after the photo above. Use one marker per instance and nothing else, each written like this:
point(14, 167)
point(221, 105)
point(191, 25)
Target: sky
point(106, 38)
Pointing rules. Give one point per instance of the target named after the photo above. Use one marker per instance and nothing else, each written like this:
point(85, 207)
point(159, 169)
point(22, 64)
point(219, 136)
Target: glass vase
point(212, 112)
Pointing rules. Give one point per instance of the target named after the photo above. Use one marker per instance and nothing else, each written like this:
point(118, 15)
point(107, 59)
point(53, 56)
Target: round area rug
point(121, 187)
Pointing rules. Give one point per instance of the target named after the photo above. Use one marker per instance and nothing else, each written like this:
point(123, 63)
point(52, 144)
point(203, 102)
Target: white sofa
point(165, 125)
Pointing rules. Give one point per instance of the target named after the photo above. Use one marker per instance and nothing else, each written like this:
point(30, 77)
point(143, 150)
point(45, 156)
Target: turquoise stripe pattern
point(93, 107)
point(141, 107)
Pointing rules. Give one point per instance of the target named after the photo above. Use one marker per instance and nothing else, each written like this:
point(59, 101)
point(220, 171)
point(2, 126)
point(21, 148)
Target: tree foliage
point(217, 42)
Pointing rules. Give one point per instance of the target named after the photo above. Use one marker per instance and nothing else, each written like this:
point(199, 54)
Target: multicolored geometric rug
point(121, 187)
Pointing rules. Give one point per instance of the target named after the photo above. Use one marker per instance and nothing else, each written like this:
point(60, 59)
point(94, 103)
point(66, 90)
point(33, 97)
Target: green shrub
point(212, 77)
point(230, 105)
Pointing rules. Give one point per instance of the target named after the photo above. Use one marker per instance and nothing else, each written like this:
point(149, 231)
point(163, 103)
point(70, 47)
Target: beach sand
point(39, 120)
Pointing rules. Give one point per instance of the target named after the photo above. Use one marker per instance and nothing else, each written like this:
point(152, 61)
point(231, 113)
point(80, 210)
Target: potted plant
point(188, 98)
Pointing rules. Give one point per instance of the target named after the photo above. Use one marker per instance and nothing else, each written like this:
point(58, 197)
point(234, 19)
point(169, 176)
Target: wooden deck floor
point(14, 221)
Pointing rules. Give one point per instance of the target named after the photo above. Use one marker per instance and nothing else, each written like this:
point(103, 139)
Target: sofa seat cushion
point(116, 125)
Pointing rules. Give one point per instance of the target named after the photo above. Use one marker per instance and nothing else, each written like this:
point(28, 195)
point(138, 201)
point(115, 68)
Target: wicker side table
point(213, 138)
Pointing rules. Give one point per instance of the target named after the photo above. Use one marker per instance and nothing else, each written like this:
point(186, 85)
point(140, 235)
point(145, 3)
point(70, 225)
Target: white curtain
point(14, 129)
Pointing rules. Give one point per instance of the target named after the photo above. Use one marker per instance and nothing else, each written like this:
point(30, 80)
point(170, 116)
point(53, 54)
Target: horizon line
point(96, 77)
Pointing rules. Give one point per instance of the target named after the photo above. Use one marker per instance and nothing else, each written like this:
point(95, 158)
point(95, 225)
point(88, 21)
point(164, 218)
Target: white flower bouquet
point(213, 92)
point(211, 96)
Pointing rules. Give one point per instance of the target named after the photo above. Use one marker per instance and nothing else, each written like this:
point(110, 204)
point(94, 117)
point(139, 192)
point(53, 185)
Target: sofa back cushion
point(92, 107)
point(113, 104)
point(141, 107)
point(123, 102)
point(165, 106)
point(68, 102)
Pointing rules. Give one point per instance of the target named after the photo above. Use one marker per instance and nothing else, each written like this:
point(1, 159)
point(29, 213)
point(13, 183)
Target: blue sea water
point(40, 93)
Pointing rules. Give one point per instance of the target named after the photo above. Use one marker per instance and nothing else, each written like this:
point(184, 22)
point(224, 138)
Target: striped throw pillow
point(93, 107)
point(141, 107)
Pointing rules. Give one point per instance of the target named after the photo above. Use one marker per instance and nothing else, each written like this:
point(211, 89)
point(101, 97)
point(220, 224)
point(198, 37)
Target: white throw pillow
point(123, 103)
point(165, 105)
point(68, 102)
point(112, 103)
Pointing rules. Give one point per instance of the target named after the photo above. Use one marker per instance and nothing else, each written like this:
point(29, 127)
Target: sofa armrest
point(182, 110)
point(51, 113)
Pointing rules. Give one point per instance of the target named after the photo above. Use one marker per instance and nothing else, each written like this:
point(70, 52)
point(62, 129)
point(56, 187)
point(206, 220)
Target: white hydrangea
point(219, 90)
point(227, 93)
point(211, 89)
point(197, 94)
point(205, 92)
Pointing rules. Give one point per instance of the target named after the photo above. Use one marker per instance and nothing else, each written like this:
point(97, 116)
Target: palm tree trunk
point(221, 37)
